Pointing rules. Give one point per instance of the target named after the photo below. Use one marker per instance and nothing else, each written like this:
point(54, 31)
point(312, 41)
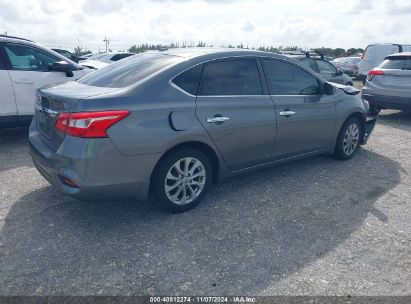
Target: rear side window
point(288, 79)
point(398, 62)
point(129, 71)
point(231, 77)
point(189, 80)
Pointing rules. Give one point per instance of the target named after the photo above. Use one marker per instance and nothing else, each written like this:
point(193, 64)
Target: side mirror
point(328, 89)
point(339, 72)
point(61, 66)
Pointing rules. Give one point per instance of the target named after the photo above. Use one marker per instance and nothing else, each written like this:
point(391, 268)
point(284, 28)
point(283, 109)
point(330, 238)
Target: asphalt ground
point(312, 227)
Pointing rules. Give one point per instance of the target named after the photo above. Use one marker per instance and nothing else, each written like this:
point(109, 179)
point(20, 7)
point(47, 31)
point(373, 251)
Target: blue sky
point(328, 23)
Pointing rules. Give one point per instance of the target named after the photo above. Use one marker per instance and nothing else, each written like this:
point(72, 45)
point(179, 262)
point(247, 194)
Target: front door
point(306, 118)
point(239, 118)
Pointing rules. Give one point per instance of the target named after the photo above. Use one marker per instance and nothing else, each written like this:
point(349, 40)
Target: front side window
point(326, 68)
point(231, 77)
point(126, 72)
point(288, 79)
point(26, 58)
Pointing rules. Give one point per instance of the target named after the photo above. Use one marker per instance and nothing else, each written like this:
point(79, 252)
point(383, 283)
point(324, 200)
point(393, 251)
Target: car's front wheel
point(348, 139)
point(182, 179)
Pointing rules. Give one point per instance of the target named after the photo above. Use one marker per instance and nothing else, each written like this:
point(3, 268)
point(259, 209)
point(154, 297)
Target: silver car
point(168, 124)
point(388, 86)
point(349, 65)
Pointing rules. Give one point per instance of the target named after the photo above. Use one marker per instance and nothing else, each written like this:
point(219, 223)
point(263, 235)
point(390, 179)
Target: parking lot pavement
point(315, 226)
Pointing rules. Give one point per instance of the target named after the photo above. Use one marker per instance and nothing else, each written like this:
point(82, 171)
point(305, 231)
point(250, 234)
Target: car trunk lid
point(397, 78)
point(53, 100)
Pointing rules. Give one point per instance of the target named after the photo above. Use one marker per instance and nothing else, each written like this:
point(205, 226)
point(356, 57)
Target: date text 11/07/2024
point(202, 299)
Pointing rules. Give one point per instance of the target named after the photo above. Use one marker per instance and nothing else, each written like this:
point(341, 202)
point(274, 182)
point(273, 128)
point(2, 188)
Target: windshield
point(397, 63)
point(130, 70)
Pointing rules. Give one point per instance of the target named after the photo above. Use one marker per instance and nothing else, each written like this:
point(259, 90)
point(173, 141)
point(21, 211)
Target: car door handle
point(287, 113)
point(217, 119)
point(23, 81)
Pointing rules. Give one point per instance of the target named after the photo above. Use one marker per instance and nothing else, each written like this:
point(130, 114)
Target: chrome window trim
point(207, 61)
point(241, 56)
point(180, 89)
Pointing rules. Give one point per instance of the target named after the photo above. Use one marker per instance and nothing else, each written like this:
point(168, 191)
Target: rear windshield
point(397, 63)
point(130, 70)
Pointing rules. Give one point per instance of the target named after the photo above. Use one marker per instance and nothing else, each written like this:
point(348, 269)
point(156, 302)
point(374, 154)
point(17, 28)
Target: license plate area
point(396, 80)
point(45, 121)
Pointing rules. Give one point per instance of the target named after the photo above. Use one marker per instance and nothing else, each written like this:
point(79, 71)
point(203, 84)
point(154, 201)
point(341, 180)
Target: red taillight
point(88, 124)
point(373, 73)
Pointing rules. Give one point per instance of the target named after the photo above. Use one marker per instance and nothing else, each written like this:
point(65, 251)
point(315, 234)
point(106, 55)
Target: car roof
point(298, 56)
point(403, 44)
point(222, 52)
point(405, 54)
point(112, 53)
point(13, 38)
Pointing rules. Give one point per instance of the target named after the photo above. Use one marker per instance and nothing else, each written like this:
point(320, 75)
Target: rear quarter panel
point(161, 117)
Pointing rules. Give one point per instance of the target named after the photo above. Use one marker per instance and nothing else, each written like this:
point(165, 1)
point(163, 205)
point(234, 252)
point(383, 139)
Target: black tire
point(159, 180)
point(374, 110)
point(350, 84)
point(340, 152)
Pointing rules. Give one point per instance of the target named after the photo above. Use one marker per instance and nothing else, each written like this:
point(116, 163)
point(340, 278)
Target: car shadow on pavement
point(10, 141)
point(397, 119)
point(248, 234)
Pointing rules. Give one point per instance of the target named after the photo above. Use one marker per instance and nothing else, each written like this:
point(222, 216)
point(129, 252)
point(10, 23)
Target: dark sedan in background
point(349, 65)
point(320, 65)
point(68, 55)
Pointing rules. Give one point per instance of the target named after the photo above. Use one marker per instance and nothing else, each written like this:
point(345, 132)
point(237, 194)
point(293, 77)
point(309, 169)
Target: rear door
point(306, 118)
point(29, 70)
point(238, 116)
point(8, 109)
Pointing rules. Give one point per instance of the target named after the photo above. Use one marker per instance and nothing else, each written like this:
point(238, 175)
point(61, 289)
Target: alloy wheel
point(185, 180)
point(351, 139)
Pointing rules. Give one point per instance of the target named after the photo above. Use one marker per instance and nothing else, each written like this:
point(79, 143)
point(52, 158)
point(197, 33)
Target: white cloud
point(328, 23)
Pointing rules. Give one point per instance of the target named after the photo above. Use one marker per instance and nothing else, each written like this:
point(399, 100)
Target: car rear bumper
point(99, 173)
point(388, 102)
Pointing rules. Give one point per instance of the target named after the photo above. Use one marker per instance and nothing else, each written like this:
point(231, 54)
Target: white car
point(26, 66)
point(98, 61)
point(374, 54)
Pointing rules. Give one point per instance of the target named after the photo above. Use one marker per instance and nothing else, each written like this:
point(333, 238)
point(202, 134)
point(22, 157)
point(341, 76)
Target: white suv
point(26, 66)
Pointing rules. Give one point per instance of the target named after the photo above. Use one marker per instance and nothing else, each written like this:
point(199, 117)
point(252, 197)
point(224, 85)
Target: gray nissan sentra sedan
point(170, 123)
